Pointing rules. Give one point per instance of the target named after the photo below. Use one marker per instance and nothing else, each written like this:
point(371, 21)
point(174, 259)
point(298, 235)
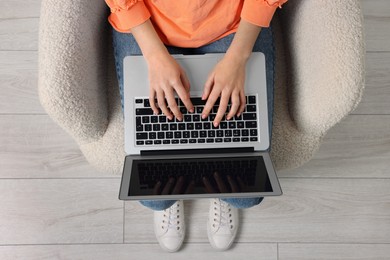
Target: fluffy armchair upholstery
point(319, 76)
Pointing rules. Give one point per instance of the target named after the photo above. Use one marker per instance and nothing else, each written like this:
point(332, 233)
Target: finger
point(233, 184)
point(235, 105)
point(168, 186)
point(179, 186)
point(169, 95)
point(241, 109)
point(162, 104)
point(208, 86)
point(184, 97)
point(221, 109)
point(220, 182)
point(208, 186)
point(190, 188)
point(152, 98)
point(156, 189)
point(210, 103)
point(185, 81)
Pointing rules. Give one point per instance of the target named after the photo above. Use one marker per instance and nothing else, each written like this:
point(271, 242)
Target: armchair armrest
point(72, 77)
point(325, 55)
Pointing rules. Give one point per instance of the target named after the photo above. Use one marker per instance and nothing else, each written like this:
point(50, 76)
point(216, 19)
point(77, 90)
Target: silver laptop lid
point(197, 68)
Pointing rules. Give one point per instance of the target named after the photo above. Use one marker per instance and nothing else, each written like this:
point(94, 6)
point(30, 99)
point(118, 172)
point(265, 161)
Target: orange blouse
point(191, 23)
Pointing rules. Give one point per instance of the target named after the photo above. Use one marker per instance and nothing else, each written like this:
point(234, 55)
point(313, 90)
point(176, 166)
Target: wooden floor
point(53, 205)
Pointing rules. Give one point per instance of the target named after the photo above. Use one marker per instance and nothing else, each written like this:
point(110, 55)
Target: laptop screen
point(199, 176)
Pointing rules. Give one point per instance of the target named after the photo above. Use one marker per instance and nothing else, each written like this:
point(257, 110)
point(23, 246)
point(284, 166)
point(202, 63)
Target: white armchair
point(319, 76)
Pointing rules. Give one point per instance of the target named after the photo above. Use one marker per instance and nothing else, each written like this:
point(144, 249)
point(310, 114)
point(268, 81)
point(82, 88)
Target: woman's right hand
point(165, 78)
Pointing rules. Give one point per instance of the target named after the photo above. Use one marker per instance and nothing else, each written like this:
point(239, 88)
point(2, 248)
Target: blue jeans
point(125, 45)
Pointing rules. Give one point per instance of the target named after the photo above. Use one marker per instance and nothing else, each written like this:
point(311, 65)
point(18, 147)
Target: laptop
point(190, 159)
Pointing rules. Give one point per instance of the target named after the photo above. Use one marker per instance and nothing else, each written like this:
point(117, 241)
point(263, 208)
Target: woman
point(156, 29)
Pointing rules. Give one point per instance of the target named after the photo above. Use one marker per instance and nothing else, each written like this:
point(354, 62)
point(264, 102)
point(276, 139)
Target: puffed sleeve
point(126, 14)
point(260, 12)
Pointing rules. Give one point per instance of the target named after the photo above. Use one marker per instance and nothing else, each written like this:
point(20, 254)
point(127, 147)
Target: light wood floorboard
point(137, 251)
point(11, 9)
point(19, 34)
point(334, 251)
point(33, 146)
point(42, 211)
point(358, 147)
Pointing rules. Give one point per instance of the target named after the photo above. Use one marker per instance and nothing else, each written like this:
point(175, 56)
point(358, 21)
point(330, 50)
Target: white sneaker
point(222, 224)
point(169, 227)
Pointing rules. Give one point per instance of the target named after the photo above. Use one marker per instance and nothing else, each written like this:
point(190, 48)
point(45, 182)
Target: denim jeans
point(125, 45)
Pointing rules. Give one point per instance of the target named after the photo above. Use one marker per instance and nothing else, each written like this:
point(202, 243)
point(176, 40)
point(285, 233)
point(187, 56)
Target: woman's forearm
point(244, 40)
point(148, 40)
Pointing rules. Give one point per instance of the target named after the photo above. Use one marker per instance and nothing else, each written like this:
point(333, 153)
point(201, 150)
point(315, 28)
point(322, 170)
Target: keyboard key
point(164, 127)
point(144, 111)
point(139, 128)
point(152, 135)
point(169, 135)
point(227, 140)
point(238, 117)
point(145, 119)
point(140, 142)
point(253, 132)
point(173, 127)
point(219, 133)
point(236, 139)
point(198, 101)
point(157, 142)
point(194, 134)
point(182, 126)
point(196, 118)
point(146, 103)
point(250, 124)
point(218, 140)
point(192, 141)
point(212, 117)
point(186, 134)
point(249, 116)
point(154, 119)
point(156, 127)
point(211, 133)
point(160, 135)
point(199, 110)
point(253, 139)
point(139, 101)
point(206, 125)
point(240, 124)
point(190, 126)
point(183, 110)
point(203, 134)
point(198, 126)
point(228, 133)
point(149, 142)
point(187, 118)
point(251, 108)
point(223, 125)
point(201, 141)
point(210, 140)
point(166, 141)
point(251, 99)
point(175, 141)
point(142, 136)
point(245, 139)
point(232, 125)
point(177, 135)
point(236, 133)
point(183, 141)
point(244, 132)
point(148, 127)
point(162, 119)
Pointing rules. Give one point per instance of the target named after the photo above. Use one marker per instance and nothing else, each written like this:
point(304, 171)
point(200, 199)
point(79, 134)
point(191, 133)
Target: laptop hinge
point(199, 151)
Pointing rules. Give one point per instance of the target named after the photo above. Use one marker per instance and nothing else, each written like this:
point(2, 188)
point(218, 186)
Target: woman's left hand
point(226, 81)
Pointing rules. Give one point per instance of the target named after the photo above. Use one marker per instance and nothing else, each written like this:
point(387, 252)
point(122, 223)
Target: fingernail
point(215, 124)
point(204, 116)
point(192, 110)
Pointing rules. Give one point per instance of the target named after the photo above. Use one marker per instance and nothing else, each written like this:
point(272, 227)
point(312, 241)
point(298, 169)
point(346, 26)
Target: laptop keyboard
point(159, 130)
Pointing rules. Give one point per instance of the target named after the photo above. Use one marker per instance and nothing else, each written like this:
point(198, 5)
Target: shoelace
point(222, 214)
point(171, 217)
